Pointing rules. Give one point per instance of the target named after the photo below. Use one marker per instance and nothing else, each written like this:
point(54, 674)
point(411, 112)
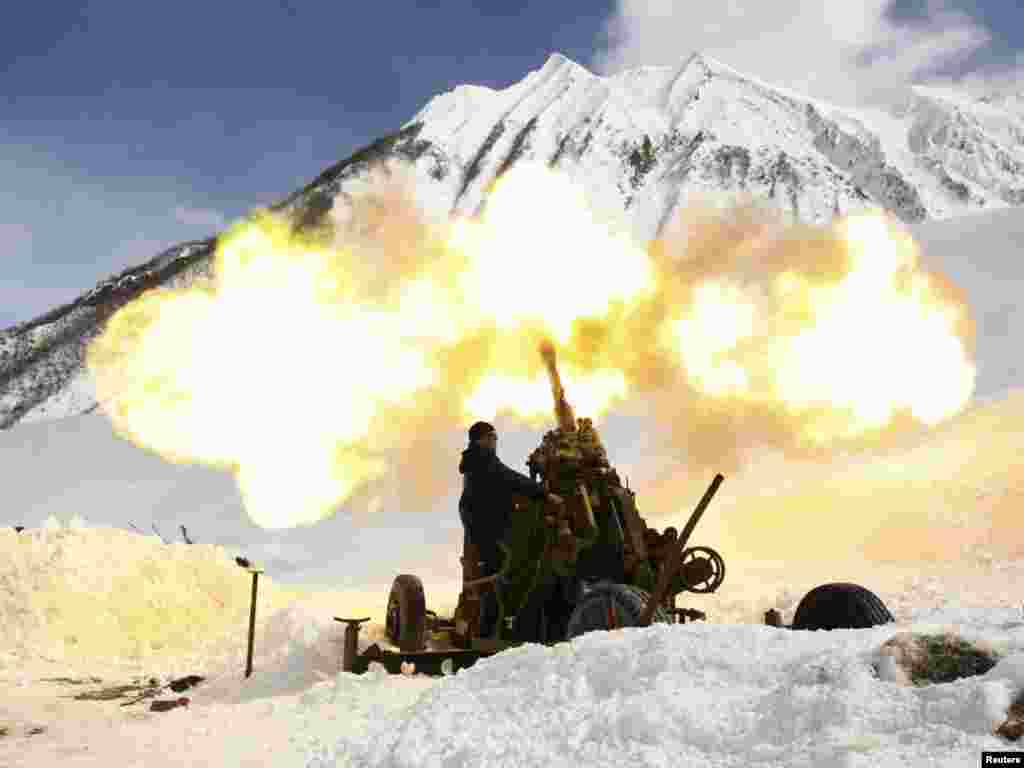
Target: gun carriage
point(589, 564)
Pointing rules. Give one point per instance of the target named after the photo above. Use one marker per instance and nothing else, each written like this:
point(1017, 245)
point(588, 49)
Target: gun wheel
point(840, 605)
point(609, 605)
point(406, 620)
point(713, 565)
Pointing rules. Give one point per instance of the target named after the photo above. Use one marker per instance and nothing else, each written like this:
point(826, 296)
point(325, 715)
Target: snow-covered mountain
point(649, 139)
point(642, 143)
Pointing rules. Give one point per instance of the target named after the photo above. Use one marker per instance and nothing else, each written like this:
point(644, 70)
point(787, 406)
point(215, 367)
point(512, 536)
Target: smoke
point(367, 342)
point(391, 240)
point(749, 246)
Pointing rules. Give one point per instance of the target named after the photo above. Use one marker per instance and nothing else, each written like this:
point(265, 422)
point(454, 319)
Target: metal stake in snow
point(252, 611)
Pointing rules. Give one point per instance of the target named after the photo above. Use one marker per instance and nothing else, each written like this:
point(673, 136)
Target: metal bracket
point(688, 613)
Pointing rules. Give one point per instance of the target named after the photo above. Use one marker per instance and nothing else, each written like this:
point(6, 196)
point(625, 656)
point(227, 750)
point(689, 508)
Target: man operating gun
point(486, 505)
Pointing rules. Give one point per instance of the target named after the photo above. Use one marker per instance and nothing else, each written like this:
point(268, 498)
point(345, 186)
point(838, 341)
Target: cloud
point(1007, 81)
point(206, 219)
point(834, 50)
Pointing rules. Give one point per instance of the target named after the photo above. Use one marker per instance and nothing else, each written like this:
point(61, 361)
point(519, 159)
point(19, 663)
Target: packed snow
point(85, 602)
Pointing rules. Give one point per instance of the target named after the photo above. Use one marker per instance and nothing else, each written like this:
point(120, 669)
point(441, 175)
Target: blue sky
point(127, 127)
point(117, 114)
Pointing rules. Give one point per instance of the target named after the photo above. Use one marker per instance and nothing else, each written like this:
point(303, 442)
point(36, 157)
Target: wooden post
point(252, 621)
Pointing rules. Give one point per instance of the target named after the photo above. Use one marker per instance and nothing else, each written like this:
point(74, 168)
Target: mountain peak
point(700, 60)
point(697, 60)
point(557, 61)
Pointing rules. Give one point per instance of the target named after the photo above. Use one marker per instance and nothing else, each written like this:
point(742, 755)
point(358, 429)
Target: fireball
point(308, 367)
point(879, 340)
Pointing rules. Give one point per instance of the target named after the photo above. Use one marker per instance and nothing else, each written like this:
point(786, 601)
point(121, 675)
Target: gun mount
point(591, 563)
point(599, 530)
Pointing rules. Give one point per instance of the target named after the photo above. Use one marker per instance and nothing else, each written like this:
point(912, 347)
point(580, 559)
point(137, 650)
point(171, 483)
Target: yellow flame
point(305, 367)
point(718, 319)
point(530, 399)
point(540, 255)
point(878, 341)
point(285, 371)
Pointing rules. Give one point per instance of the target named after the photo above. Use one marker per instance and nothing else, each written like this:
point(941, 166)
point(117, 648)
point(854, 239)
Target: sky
point(128, 127)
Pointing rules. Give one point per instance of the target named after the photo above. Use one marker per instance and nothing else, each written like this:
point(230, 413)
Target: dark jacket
point(486, 503)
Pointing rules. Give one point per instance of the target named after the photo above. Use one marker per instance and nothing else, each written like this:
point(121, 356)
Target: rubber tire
point(591, 612)
point(840, 606)
point(407, 592)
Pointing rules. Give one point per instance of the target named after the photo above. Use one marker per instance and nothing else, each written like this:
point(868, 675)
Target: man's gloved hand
point(555, 498)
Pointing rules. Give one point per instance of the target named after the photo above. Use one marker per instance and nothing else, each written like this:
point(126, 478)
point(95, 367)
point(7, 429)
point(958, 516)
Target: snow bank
point(686, 695)
point(68, 591)
point(712, 694)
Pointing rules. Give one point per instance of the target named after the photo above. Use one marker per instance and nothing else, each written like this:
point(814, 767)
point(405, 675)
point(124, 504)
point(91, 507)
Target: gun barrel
point(563, 411)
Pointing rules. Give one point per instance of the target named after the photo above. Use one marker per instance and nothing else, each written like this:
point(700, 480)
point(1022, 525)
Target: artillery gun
point(591, 563)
